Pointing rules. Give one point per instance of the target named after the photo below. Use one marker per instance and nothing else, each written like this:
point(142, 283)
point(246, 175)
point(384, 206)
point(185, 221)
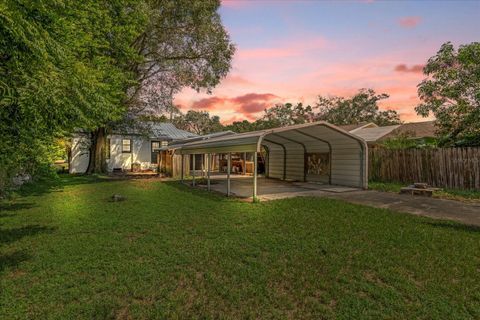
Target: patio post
point(181, 169)
point(255, 163)
point(193, 170)
point(209, 161)
point(229, 163)
point(244, 163)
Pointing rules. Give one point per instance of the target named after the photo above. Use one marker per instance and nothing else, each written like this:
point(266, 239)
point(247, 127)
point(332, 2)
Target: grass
point(168, 251)
point(453, 194)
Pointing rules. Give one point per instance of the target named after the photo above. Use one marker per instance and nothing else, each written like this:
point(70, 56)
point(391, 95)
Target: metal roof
point(169, 131)
point(373, 134)
point(251, 141)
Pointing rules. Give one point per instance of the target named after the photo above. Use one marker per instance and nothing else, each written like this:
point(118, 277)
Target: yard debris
point(117, 198)
point(419, 188)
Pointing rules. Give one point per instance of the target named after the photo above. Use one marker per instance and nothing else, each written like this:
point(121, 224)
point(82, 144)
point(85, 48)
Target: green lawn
point(172, 252)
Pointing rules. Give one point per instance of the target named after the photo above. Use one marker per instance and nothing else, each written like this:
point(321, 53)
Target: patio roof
point(253, 141)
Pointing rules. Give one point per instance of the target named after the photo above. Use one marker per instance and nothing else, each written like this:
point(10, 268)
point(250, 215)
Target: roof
point(180, 143)
point(250, 141)
point(424, 129)
point(374, 134)
point(353, 127)
point(169, 131)
point(414, 130)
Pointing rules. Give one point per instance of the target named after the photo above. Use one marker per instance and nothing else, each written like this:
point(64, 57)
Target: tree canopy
point(451, 92)
point(362, 107)
point(88, 65)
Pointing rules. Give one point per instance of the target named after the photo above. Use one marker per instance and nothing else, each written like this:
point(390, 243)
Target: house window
point(107, 149)
point(155, 150)
point(126, 146)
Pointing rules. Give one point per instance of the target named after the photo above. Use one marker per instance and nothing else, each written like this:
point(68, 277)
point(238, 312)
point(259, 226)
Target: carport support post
point(229, 163)
point(193, 171)
point(181, 170)
point(255, 163)
point(244, 163)
point(209, 161)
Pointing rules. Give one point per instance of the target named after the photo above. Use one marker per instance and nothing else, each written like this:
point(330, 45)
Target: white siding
point(79, 155)
point(140, 153)
point(347, 157)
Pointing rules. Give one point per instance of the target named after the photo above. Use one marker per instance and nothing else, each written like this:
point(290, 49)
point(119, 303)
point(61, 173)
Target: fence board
point(443, 167)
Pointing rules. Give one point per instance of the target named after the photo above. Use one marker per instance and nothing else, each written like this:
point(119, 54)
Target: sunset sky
point(292, 51)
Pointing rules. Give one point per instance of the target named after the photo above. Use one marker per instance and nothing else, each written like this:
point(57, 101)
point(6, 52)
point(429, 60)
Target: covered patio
point(317, 154)
point(272, 189)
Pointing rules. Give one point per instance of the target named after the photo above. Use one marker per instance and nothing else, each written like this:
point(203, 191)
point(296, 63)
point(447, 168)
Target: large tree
point(199, 122)
point(451, 92)
point(183, 44)
point(362, 107)
point(60, 69)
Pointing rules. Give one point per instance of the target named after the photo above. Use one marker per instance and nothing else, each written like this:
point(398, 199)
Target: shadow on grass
point(14, 207)
point(47, 185)
point(12, 260)
point(12, 235)
point(198, 191)
point(455, 226)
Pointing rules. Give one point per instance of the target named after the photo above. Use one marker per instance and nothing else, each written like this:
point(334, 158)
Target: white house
point(123, 150)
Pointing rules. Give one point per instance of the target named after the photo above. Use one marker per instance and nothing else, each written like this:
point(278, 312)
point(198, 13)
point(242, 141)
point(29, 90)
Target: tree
point(59, 70)
point(241, 126)
point(451, 92)
point(183, 44)
point(282, 115)
point(362, 107)
point(198, 122)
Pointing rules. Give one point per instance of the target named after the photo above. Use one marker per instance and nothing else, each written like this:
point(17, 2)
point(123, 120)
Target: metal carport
point(288, 148)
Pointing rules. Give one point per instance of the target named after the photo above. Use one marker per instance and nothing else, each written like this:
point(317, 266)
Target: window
point(107, 149)
point(126, 145)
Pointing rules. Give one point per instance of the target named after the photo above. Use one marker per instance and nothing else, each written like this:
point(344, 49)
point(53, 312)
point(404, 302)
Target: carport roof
point(251, 141)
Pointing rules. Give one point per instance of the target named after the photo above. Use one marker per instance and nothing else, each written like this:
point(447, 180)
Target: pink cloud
point(417, 68)
point(409, 22)
point(235, 3)
point(247, 105)
point(208, 103)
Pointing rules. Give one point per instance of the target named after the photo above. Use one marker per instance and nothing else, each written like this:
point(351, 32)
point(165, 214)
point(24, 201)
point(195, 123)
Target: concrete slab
point(270, 189)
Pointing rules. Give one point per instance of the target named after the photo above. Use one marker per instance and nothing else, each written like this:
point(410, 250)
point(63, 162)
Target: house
point(374, 134)
point(126, 149)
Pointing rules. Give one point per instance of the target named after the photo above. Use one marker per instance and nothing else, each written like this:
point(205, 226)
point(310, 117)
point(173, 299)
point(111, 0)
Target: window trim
point(130, 146)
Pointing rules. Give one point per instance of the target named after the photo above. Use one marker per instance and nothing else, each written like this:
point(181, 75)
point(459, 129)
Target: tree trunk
point(97, 160)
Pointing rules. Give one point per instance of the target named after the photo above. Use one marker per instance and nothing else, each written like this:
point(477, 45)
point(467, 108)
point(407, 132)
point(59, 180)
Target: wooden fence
point(457, 168)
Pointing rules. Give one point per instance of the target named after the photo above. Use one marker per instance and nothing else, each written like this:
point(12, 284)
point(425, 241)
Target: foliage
point(362, 107)
point(198, 122)
point(170, 252)
point(183, 44)
point(61, 68)
point(451, 92)
point(280, 115)
point(406, 141)
point(287, 114)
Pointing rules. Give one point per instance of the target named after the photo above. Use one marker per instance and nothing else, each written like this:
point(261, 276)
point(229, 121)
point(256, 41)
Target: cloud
point(235, 3)
point(247, 105)
point(409, 22)
point(254, 102)
point(417, 68)
point(208, 103)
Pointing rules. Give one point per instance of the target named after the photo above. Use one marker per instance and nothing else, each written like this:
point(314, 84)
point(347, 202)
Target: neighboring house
point(374, 134)
point(124, 150)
